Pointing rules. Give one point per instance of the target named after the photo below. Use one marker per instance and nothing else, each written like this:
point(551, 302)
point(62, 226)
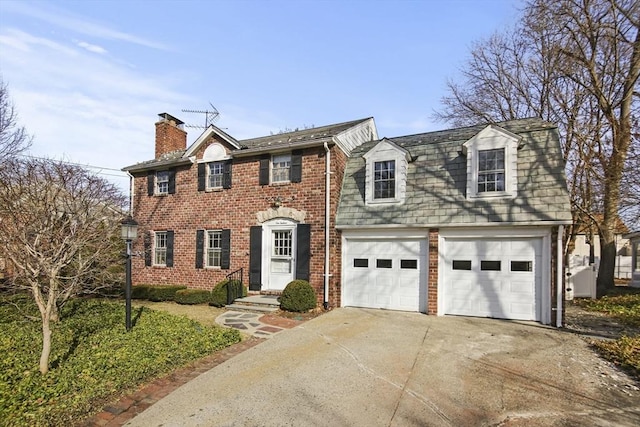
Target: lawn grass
point(624, 305)
point(93, 358)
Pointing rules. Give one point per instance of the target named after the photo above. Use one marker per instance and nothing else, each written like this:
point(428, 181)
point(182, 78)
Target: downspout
point(559, 286)
point(327, 223)
point(130, 193)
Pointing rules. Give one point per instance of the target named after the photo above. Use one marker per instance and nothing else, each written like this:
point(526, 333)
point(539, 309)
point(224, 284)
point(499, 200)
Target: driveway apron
point(359, 367)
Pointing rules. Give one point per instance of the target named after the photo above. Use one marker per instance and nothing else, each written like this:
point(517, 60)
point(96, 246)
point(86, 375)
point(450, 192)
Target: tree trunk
point(46, 345)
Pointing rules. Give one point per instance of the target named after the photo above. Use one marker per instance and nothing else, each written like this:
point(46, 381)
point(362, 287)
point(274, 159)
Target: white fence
point(582, 281)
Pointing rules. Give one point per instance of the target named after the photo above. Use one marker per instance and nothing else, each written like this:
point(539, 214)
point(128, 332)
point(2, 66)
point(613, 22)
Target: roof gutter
point(440, 225)
point(281, 147)
point(158, 165)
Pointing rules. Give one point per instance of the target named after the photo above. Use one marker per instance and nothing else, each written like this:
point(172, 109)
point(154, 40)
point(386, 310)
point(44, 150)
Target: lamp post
point(129, 233)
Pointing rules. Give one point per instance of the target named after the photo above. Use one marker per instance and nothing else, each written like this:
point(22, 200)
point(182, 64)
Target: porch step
point(256, 303)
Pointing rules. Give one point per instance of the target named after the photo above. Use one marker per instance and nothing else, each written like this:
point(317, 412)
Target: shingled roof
point(436, 183)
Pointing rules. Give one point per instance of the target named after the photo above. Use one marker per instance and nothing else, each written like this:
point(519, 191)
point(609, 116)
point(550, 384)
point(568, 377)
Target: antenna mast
point(210, 116)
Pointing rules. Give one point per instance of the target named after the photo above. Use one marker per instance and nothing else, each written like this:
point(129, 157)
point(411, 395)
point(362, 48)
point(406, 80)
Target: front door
point(280, 258)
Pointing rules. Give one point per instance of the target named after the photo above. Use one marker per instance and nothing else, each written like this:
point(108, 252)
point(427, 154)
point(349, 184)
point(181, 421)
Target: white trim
point(384, 151)
point(461, 225)
point(267, 229)
point(205, 135)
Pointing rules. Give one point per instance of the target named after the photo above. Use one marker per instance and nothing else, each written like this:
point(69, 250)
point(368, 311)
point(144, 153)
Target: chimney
point(170, 135)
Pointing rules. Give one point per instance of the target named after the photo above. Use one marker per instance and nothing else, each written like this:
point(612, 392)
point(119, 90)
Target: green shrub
point(164, 293)
point(93, 358)
point(219, 293)
point(298, 296)
point(192, 296)
point(140, 292)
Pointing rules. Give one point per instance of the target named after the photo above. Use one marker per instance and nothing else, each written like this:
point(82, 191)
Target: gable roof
point(437, 179)
point(298, 139)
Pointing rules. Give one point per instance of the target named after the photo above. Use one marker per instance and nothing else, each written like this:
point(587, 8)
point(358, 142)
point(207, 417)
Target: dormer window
point(490, 170)
point(384, 180)
point(492, 164)
point(215, 174)
point(214, 170)
point(386, 173)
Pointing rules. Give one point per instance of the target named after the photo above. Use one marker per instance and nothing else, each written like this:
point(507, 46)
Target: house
point(463, 221)
point(264, 205)
point(634, 239)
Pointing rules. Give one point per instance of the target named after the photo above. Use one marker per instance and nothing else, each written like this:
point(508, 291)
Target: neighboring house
point(463, 221)
point(634, 239)
point(266, 205)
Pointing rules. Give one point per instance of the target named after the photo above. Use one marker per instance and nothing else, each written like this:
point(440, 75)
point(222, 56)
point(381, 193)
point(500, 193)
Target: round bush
point(298, 296)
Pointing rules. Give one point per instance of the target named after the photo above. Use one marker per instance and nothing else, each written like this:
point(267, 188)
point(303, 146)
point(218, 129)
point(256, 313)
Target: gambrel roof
point(436, 183)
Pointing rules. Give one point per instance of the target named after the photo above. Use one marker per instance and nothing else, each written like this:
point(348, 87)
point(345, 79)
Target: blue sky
point(88, 78)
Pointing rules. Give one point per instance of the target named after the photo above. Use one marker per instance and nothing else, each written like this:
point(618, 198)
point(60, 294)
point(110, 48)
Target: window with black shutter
point(255, 258)
point(225, 254)
point(147, 249)
point(199, 248)
point(226, 177)
point(170, 248)
point(151, 182)
point(172, 182)
point(265, 163)
point(202, 176)
point(296, 166)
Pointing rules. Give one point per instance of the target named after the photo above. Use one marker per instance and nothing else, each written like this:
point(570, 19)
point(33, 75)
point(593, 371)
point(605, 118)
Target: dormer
point(492, 164)
point(386, 173)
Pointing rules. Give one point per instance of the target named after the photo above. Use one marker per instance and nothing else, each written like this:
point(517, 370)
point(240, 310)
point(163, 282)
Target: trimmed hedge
point(219, 293)
point(192, 296)
point(163, 293)
point(298, 296)
point(140, 292)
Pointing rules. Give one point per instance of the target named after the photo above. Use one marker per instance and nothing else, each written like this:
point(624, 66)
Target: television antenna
point(210, 116)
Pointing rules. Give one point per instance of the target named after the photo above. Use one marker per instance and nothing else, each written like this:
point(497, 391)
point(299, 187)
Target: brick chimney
point(170, 135)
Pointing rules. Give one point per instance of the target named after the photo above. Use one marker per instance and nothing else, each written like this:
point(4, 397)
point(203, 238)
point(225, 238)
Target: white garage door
point(493, 278)
point(387, 274)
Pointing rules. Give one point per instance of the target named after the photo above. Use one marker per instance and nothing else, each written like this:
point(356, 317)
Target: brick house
point(464, 221)
point(265, 205)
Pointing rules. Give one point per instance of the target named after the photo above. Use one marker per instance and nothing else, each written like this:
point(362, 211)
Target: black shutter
point(226, 177)
point(296, 166)
point(199, 248)
point(172, 181)
point(147, 249)
point(265, 162)
point(226, 249)
point(202, 176)
point(151, 177)
point(303, 251)
point(255, 258)
point(169, 248)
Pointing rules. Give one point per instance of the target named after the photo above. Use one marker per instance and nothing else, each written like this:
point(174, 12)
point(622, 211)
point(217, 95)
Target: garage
point(498, 278)
point(385, 273)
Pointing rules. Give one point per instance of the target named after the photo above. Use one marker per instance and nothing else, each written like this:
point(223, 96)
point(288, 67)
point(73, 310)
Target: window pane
point(214, 245)
point(521, 266)
point(384, 182)
point(282, 243)
point(162, 182)
point(361, 262)
point(383, 263)
point(409, 264)
point(280, 166)
point(461, 264)
point(215, 174)
point(490, 265)
point(160, 248)
point(491, 170)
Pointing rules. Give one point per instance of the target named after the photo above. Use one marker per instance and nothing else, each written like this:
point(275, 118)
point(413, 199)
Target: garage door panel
point(397, 286)
point(496, 290)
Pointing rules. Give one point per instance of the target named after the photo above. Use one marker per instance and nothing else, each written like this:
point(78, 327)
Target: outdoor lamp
point(129, 233)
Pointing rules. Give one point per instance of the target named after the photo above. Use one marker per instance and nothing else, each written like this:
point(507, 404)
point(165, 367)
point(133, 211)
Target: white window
point(280, 168)
point(384, 180)
point(160, 248)
point(215, 172)
point(491, 170)
point(492, 163)
point(214, 248)
point(386, 173)
point(162, 182)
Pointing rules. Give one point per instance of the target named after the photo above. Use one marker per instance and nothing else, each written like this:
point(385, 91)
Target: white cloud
point(92, 47)
point(77, 24)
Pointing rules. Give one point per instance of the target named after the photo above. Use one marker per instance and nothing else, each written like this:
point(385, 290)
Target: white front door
point(278, 255)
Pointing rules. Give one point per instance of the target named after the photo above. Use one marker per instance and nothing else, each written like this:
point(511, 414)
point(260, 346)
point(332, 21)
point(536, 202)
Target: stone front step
point(256, 303)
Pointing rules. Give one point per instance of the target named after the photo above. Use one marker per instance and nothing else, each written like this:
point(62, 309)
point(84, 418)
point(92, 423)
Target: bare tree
point(59, 229)
point(575, 63)
point(13, 138)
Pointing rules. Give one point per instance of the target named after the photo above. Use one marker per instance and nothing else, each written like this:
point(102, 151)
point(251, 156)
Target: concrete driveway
point(358, 367)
